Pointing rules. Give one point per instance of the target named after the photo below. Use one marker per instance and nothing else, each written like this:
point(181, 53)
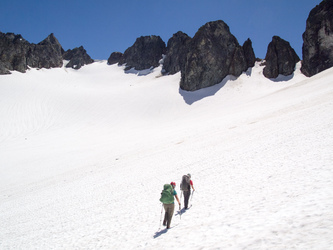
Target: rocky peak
point(77, 58)
point(46, 54)
point(213, 53)
point(249, 53)
point(13, 50)
point(115, 57)
point(176, 53)
point(281, 58)
point(318, 39)
point(145, 53)
point(50, 40)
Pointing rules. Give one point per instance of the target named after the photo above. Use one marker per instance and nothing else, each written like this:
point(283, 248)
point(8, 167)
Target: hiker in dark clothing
point(186, 186)
point(167, 199)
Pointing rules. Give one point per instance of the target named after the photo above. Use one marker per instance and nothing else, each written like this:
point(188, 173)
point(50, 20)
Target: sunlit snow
point(84, 156)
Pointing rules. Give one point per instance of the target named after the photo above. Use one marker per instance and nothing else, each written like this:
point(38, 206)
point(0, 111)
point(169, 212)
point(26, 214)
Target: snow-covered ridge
point(84, 156)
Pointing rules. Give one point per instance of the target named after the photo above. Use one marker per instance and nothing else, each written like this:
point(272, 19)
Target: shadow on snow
point(159, 233)
point(191, 97)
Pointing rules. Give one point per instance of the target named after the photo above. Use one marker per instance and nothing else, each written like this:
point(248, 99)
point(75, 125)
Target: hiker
point(186, 186)
point(167, 198)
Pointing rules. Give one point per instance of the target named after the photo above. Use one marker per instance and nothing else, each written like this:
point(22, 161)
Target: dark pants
point(169, 209)
point(186, 198)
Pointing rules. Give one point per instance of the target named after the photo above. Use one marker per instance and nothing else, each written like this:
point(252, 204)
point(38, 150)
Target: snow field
point(84, 156)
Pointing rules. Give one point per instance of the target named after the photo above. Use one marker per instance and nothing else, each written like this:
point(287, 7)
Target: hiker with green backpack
point(167, 198)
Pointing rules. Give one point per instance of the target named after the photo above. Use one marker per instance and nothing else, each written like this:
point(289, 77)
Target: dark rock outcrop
point(281, 58)
point(238, 62)
point(46, 54)
point(249, 53)
point(318, 39)
point(115, 57)
point(18, 54)
point(177, 49)
point(145, 53)
point(77, 57)
point(3, 69)
point(213, 54)
point(13, 51)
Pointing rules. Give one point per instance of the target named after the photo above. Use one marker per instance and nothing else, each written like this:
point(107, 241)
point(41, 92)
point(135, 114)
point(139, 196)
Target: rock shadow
point(191, 97)
point(282, 78)
point(143, 72)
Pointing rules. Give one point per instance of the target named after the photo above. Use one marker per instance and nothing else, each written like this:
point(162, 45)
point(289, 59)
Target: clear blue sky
point(106, 26)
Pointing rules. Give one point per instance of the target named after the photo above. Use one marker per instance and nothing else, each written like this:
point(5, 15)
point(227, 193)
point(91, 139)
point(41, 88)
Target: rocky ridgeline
point(213, 52)
point(204, 60)
point(18, 54)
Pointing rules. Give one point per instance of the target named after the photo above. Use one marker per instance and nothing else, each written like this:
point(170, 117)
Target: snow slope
point(84, 155)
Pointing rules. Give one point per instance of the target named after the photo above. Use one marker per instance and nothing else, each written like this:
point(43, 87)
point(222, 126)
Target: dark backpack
point(185, 183)
point(167, 194)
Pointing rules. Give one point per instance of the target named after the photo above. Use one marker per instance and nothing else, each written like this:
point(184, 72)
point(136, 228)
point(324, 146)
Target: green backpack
point(167, 194)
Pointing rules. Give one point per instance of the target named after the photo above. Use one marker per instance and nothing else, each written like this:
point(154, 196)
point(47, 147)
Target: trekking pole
point(191, 197)
point(180, 211)
point(161, 217)
point(181, 194)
